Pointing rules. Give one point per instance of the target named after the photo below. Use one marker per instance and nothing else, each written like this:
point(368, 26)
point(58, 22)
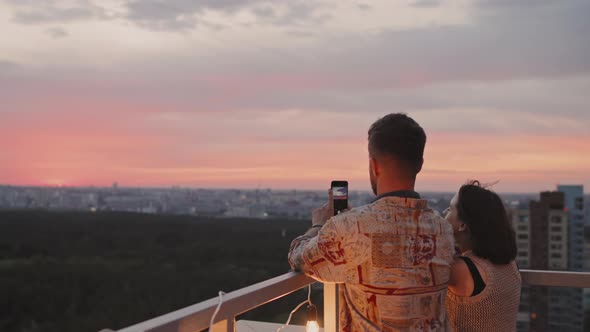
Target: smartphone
point(340, 195)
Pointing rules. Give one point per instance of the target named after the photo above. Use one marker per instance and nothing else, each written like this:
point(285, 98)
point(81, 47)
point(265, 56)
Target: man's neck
point(391, 187)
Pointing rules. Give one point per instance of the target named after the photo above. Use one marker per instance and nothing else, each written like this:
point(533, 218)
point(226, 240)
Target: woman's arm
point(461, 281)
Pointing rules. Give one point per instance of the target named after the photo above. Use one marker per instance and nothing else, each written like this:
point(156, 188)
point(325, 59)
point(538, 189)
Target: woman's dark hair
point(491, 232)
point(398, 136)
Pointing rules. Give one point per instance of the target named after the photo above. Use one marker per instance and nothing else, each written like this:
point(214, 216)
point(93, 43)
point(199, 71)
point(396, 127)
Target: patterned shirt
point(393, 258)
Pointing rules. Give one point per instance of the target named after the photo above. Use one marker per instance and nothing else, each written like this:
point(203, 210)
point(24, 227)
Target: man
point(393, 255)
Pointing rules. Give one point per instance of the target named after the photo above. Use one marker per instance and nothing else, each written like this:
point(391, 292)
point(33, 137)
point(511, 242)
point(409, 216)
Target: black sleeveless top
point(478, 284)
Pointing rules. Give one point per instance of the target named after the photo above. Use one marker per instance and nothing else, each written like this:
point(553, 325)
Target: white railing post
point(331, 304)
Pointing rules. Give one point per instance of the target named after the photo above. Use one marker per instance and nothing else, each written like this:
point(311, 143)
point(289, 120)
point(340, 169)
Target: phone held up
point(340, 195)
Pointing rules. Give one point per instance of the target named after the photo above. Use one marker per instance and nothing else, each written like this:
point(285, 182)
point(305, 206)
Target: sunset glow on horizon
point(280, 95)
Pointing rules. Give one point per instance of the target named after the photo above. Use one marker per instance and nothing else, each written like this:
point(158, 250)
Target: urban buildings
point(256, 203)
point(550, 236)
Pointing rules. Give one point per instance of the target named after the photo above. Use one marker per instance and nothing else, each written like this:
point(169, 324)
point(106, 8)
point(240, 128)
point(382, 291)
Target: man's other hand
point(320, 215)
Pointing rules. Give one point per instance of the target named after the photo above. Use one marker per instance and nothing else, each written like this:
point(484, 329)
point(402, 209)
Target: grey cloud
point(171, 15)
point(7, 70)
point(555, 106)
point(8, 66)
point(299, 13)
point(56, 32)
point(514, 4)
point(33, 12)
point(164, 15)
point(190, 91)
point(502, 46)
point(538, 63)
point(186, 14)
point(562, 98)
point(364, 6)
point(213, 26)
point(264, 11)
point(426, 3)
point(497, 46)
point(300, 33)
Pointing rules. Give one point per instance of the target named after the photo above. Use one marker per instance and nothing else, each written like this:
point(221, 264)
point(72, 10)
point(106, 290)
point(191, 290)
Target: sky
point(280, 94)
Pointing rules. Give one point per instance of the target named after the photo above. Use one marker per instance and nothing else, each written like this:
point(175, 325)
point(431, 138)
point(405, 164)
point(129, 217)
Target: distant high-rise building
point(521, 223)
point(554, 225)
point(574, 204)
point(549, 232)
point(545, 213)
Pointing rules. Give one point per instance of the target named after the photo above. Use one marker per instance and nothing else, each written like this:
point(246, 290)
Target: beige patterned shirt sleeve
point(327, 256)
point(393, 257)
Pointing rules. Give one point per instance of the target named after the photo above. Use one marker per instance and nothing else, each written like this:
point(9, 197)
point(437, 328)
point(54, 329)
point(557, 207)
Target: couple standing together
point(402, 266)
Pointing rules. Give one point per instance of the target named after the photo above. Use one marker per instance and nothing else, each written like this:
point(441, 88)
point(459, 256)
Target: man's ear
point(419, 166)
point(374, 166)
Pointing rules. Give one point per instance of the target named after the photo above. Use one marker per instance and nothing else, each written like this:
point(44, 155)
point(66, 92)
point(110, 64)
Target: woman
point(484, 287)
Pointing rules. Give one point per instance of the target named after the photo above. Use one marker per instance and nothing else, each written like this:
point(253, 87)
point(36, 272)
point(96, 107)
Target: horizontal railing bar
point(197, 317)
point(556, 278)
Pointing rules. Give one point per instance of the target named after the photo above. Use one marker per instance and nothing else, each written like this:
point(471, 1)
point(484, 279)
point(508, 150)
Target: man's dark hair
point(398, 136)
point(492, 235)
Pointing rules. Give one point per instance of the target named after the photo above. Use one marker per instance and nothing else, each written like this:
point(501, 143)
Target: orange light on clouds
point(520, 162)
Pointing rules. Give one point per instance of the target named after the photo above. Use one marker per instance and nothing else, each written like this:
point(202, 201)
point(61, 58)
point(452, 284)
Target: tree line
point(77, 271)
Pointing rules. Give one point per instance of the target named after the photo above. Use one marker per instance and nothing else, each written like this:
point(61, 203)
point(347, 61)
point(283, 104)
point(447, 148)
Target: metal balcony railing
point(197, 317)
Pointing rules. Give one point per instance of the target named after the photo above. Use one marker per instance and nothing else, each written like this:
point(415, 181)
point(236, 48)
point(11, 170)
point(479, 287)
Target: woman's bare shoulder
point(460, 282)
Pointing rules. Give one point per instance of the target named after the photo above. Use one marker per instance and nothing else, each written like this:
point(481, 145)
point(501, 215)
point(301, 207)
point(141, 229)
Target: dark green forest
point(75, 271)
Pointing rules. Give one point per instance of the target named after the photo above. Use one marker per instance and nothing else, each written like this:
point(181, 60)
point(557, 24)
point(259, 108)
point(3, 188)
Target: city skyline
point(321, 191)
point(280, 95)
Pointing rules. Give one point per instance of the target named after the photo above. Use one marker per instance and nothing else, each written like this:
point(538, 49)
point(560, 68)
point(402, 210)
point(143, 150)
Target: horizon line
point(242, 188)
